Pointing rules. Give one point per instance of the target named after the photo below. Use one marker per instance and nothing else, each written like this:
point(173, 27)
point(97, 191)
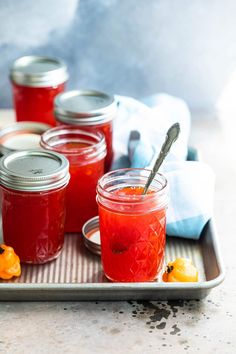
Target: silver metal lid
point(86, 107)
point(34, 170)
point(13, 137)
point(38, 71)
point(91, 235)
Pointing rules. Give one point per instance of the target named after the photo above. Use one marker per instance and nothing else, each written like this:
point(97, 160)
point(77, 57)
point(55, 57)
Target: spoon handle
point(171, 137)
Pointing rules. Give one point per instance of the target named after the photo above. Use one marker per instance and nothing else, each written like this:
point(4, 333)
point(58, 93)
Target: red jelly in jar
point(132, 225)
point(36, 81)
point(33, 203)
point(90, 110)
point(86, 152)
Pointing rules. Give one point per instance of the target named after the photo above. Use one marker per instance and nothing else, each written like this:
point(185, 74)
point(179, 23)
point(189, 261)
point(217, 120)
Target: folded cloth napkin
point(139, 133)
point(152, 122)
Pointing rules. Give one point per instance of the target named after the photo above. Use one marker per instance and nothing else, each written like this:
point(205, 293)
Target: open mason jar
point(86, 152)
point(132, 225)
point(21, 136)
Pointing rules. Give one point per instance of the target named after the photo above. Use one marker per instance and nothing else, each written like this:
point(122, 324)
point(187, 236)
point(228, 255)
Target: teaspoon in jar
point(171, 137)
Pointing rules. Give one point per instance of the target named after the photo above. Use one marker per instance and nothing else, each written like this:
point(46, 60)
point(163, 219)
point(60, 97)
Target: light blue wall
point(135, 47)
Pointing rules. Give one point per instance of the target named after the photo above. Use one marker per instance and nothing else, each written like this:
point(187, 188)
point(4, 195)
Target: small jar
point(132, 225)
point(90, 110)
point(86, 153)
point(36, 81)
point(33, 186)
point(21, 136)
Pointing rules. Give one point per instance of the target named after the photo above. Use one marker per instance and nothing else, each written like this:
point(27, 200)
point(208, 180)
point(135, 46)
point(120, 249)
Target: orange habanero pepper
point(9, 263)
point(180, 270)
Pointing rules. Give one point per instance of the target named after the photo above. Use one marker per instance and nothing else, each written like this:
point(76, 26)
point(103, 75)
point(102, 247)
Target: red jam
point(133, 236)
point(35, 103)
point(33, 186)
point(37, 232)
point(107, 130)
point(81, 193)
point(86, 161)
point(90, 110)
point(36, 80)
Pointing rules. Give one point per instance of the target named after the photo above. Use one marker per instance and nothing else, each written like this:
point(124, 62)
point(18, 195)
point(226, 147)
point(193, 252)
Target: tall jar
point(132, 225)
point(90, 110)
point(86, 153)
point(36, 80)
point(33, 184)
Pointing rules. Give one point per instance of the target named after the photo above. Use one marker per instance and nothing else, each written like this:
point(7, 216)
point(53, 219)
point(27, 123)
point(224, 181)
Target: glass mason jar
point(36, 81)
point(86, 152)
point(21, 136)
point(33, 186)
point(90, 110)
point(132, 225)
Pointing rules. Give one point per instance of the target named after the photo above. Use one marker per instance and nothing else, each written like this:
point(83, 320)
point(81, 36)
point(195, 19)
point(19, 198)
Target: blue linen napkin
point(139, 132)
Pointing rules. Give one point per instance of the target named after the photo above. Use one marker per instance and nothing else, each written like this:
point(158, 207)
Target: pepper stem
point(169, 269)
point(1, 250)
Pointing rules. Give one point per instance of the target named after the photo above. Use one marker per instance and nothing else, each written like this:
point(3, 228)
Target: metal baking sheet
point(77, 274)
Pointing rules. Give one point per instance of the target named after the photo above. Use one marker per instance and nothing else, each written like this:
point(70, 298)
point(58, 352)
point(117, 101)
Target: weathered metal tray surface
point(77, 275)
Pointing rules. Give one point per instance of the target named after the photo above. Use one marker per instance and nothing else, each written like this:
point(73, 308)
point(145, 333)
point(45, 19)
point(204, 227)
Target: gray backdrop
point(133, 47)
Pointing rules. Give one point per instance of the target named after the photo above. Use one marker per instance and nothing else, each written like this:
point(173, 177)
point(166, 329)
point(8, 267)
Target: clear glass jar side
point(37, 233)
point(105, 128)
point(71, 141)
point(109, 185)
point(35, 103)
point(86, 153)
point(132, 225)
